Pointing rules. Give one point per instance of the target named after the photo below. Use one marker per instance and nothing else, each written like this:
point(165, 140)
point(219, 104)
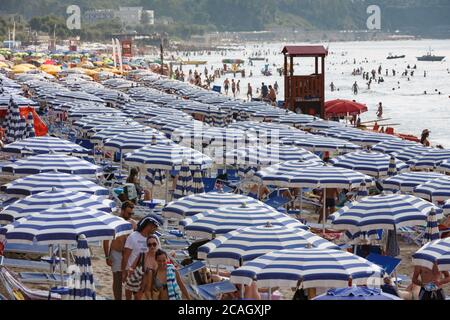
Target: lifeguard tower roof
point(305, 51)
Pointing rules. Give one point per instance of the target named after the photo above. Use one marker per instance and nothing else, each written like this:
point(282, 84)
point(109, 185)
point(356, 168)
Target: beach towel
point(173, 290)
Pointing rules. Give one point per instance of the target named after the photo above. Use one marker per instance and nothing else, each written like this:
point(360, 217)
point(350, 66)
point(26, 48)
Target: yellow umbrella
point(27, 65)
point(51, 69)
point(20, 69)
point(3, 65)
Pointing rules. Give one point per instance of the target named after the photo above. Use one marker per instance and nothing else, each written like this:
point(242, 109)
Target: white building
point(129, 16)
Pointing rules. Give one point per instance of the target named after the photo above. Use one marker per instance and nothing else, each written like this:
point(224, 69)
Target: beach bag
point(134, 281)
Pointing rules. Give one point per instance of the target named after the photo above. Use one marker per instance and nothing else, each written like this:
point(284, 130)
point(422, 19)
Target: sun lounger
point(389, 264)
point(175, 244)
point(28, 264)
point(27, 249)
point(41, 277)
point(211, 291)
point(195, 266)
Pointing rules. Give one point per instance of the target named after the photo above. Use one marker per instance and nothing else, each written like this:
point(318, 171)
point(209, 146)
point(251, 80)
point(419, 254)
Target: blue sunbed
point(195, 266)
point(389, 264)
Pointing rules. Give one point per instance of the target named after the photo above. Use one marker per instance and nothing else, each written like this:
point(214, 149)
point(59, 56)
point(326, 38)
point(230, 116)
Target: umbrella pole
point(67, 256)
point(60, 265)
point(270, 294)
point(301, 202)
point(167, 187)
point(324, 209)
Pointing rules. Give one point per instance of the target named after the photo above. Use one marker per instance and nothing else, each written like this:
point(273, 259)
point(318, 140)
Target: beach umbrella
point(321, 144)
point(385, 211)
point(295, 119)
point(54, 199)
point(356, 293)
point(444, 167)
point(131, 141)
point(436, 190)
point(223, 220)
point(323, 124)
point(184, 182)
point(63, 225)
point(410, 153)
point(281, 174)
point(44, 144)
point(446, 208)
point(12, 123)
point(394, 167)
point(365, 139)
point(243, 245)
point(168, 157)
point(393, 146)
point(432, 231)
point(42, 182)
point(51, 162)
point(308, 268)
point(197, 203)
point(344, 108)
point(407, 181)
point(371, 163)
point(430, 159)
point(29, 130)
point(435, 252)
point(105, 134)
point(197, 182)
point(155, 177)
point(362, 191)
point(83, 287)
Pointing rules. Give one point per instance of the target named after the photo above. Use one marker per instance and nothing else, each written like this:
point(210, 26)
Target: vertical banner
point(114, 52)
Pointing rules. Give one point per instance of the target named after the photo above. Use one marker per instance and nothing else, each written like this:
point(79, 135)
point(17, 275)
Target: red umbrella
point(49, 61)
point(344, 107)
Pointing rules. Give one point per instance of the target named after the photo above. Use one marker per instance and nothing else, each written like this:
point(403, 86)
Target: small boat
point(257, 59)
point(233, 61)
point(391, 57)
point(430, 57)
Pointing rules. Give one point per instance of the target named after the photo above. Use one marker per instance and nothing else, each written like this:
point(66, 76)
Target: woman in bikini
point(165, 282)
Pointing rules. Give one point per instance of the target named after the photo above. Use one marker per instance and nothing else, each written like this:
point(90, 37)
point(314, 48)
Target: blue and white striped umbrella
point(365, 139)
point(407, 181)
point(53, 199)
point(436, 190)
point(362, 191)
point(238, 247)
point(281, 174)
point(356, 293)
point(155, 177)
point(131, 141)
point(444, 167)
point(226, 219)
point(323, 124)
point(374, 164)
point(197, 203)
point(183, 186)
point(322, 144)
point(255, 156)
point(430, 160)
point(446, 208)
point(392, 146)
point(103, 135)
point(46, 181)
point(309, 268)
point(51, 162)
point(29, 130)
point(83, 287)
point(167, 157)
point(44, 144)
point(12, 123)
point(432, 231)
point(329, 177)
point(394, 167)
point(435, 252)
point(410, 153)
point(385, 212)
point(64, 225)
point(197, 182)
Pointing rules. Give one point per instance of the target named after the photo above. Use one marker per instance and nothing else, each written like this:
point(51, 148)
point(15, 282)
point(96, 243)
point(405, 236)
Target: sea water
point(405, 103)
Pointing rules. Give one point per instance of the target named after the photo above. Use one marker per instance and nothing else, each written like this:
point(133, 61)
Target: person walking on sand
point(249, 92)
point(332, 87)
point(272, 95)
point(424, 138)
point(380, 110)
point(264, 91)
point(135, 246)
point(238, 87)
point(355, 88)
point(226, 85)
point(276, 87)
point(431, 282)
point(331, 196)
point(233, 87)
point(113, 250)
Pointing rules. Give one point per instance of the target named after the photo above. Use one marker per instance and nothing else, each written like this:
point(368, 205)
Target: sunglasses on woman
point(152, 244)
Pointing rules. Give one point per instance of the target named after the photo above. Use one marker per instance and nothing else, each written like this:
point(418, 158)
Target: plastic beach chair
point(211, 291)
point(28, 264)
point(41, 277)
point(175, 244)
point(389, 264)
point(195, 266)
point(27, 249)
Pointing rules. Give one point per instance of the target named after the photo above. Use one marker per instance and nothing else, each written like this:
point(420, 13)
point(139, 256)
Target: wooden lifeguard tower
point(305, 93)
